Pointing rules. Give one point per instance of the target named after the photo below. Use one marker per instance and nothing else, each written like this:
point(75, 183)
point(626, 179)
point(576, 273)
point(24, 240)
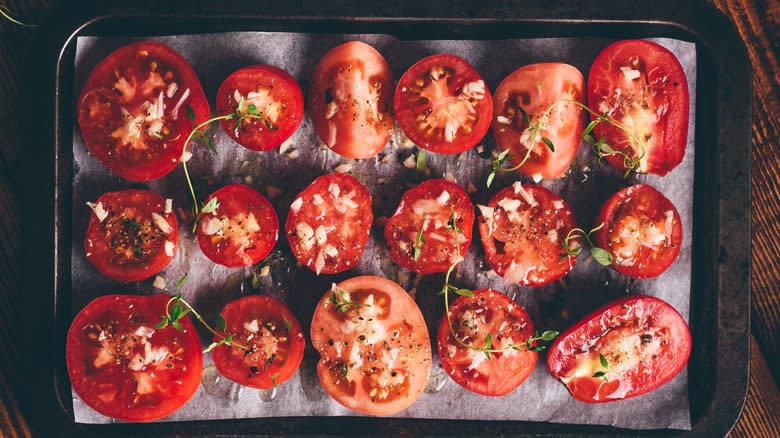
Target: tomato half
point(271, 93)
point(641, 85)
point(473, 318)
point(349, 100)
point(241, 230)
point(272, 337)
point(541, 91)
point(375, 354)
point(523, 229)
point(137, 108)
point(421, 234)
point(122, 367)
point(443, 105)
point(642, 231)
point(643, 341)
point(132, 234)
point(329, 223)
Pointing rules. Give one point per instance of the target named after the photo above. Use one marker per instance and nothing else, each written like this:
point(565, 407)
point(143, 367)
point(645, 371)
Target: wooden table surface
point(758, 23)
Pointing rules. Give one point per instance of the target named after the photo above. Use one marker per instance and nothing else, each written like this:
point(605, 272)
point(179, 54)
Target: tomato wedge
point(642, 231)
point(523, 229)
point(542, 92)
point(122, 367)
point(627, 348)
point(472, 319)
point(273, 339)
point(349, 100)
point(241, 230)
point(641, 85)
point(137, 108)
point(267, 92)
point(421, 233)
point(375, 354)
point(132, 234)
point(329, 223)
point(443, 105)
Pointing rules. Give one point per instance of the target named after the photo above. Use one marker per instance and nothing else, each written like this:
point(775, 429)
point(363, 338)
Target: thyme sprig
point(419, 241)
point(603, 373)
point(599, 254)
point(12, 17)
point(341, 300)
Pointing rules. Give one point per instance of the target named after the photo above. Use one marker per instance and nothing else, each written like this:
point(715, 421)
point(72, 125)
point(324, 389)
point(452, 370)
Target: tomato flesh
point(472, 319)
point(137, 108)
point(642, 231)
point(523, 230)
point(641, 85)
point(443, 104)
point(122, 367)
point(375, 354)
point(643, 341)
point(241, 231)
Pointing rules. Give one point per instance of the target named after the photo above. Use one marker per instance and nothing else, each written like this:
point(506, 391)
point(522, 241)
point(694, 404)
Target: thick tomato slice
point(272, 337)
point(523, 229)
point(642, 231)
point(375, 354)
point(329, 223)
point(241, 230)
point(268, 92)
point(443, 105)
point(541, 91)
point(349, 100)
point(421, 233)
point(124, 368)
point(132, 234)
point(642, 340)
point(472, 319)
point(137, 108)
point(641, 85)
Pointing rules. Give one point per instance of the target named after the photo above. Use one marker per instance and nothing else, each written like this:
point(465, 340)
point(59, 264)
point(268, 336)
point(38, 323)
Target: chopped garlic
point(537, 177)
point(169, 248)
point(168, 206)
point(410, 162)
point(161, 223)
point(343, 168)
point(503, 120)
point(629, 73)
point(159, 282)
point(100, 213)
point(443, 198)
point(175, 111)
point(294, 154)
point(527, 197)
point(252, 326)
point(285, 146)
point(296, 205)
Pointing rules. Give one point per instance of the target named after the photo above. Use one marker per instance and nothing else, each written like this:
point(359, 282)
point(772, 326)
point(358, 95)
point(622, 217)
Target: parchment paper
point(556, 306)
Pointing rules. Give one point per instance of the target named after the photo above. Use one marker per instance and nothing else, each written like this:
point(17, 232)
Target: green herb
point(549, 143)
point(340, 299)
point(180, 281)
point(421, 165)
point(190, 113)
point(599, 254)
point(12, 17)
point(532, 344)
point(488, 344)
point(252, 109)
point(220, 324)
point(132, 224)
point(605, 372)
point(344, 369)
point(419, 240)
point(287, 325)
point(498, 161)
point(210, 206)
point(227, 340)
point(269, 361)
point(273, 379)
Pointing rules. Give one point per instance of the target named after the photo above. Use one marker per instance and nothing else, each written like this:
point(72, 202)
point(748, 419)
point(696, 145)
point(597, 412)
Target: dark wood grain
point(758, 23)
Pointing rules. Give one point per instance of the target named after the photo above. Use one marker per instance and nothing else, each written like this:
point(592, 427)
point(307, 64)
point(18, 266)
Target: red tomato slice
point(137, 108)
point(473, 318)
point(122, 367)
point(375, 354)
point(430, 207)
point(241, 230)
point(349, 100)
point(272, 335)
point(644, 343)
point(329, 223)
point(271, 93)
point(443, 105)
point(642, 231)
point(537, 89)
point(642, 85)
point(132, 235)
point(523, 228)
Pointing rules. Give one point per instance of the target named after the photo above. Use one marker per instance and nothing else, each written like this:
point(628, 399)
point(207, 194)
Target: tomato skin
point(392, 331)
point(653, 211)
point(533, 241)
point(270, 318)
point(278, 94)
point(103, 98)
point(107, 383)
point(244, 214)
point(318, 206)
point(661, 88)
point(626, 317)
point(436, 255)
point(412, 102)
point(113, 244)
point(345, 77)
point(505, 371)
point(535, 88)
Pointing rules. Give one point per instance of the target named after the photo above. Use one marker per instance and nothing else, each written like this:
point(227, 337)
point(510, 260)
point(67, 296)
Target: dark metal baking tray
point(720, 294)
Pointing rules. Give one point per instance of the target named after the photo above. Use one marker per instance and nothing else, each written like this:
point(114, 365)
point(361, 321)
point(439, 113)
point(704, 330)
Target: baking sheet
point(209, 287)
